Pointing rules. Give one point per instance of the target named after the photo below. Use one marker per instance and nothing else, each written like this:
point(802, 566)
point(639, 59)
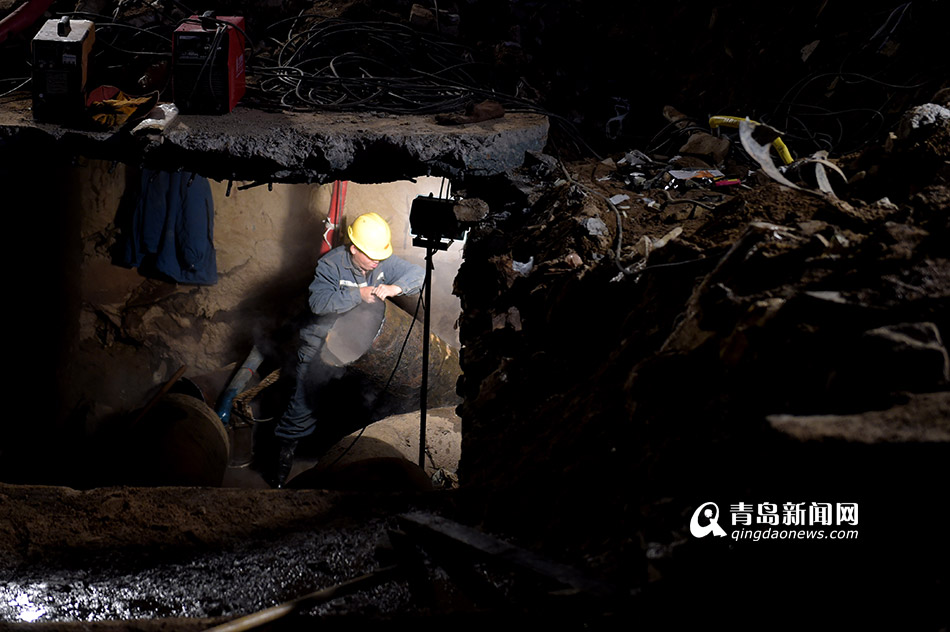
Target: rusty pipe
point(353, 341)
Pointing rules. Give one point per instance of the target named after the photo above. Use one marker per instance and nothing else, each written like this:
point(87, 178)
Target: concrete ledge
point(298, 147)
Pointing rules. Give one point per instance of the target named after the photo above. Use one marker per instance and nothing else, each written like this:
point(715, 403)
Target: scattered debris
point(596, 226)
point(511, 318)
point(926, 115)
point(620, 197)
point(474, 113)
point(776, 140)
point(761, 155)
point(523, 268)
point(158, 120)
point(463, 540)
point(707, 146)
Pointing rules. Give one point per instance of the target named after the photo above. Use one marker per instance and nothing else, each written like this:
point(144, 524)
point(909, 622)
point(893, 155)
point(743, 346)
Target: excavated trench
point(778, 348)
point(118, 553)
point(639, 337)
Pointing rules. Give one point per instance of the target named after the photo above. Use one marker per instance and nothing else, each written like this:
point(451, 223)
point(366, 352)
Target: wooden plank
point(501, 551)
point(268, 615)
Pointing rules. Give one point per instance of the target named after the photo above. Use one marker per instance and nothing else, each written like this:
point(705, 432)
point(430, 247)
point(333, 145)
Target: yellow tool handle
point(733, 121)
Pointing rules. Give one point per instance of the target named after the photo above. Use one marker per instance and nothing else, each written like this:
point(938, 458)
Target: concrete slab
point(295, 147)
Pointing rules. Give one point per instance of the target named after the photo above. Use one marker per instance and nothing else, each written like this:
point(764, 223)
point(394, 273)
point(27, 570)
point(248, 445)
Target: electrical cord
point(103, 23)
point(219, 31)
point(339, 65)
point(248, 43)
point(391, 376)
point(9, 92)
point(613, 207)
point(789, 112)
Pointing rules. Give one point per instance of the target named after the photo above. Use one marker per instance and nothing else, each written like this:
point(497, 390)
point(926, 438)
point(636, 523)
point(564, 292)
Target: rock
point(922, 419)
point(541, 164)
point(470, 210)
point(707, 146)
point(422, 18)
point(511, 318)
point(595, 226)
point(908, 356)
point(523, 268)
point(676, 117)
point(689, 162)
point(922, 116)
point(474, 113)
point(886, 204)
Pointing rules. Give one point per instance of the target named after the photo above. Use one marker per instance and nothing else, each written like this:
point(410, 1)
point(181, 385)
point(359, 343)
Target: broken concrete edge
point(295, 148)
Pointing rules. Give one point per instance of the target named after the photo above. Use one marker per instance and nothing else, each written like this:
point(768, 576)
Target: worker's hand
point(368, 294)
point(384, 291)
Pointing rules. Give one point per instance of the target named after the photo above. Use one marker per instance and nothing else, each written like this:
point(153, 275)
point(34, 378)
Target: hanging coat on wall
point(172, 228)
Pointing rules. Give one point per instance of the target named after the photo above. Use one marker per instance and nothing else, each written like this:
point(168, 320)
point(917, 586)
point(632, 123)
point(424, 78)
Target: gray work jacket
point(337, 281)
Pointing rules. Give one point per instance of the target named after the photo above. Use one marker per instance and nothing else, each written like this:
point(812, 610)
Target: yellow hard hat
point(370, 233)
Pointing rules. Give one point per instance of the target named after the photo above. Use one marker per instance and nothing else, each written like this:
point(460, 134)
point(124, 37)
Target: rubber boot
point(285, 461)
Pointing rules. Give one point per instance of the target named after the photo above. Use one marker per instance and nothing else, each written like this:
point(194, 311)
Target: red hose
point(337, 199)
point(22, 17)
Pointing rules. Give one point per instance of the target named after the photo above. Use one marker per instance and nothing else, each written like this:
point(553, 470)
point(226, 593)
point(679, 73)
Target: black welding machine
point(60, 69)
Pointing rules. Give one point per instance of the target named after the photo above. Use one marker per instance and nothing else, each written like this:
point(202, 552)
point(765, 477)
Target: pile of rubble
point(644, 334)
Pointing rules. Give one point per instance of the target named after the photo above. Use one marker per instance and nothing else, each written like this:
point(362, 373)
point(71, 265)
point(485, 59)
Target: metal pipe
point(402, 393)
point(23, 17)
point(337, 200)
point(237, 384)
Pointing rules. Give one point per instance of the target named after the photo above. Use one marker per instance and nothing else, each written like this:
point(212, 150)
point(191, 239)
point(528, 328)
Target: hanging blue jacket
point(172, 228)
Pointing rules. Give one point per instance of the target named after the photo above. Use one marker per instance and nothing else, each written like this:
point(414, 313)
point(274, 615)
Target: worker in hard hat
point(362, 272)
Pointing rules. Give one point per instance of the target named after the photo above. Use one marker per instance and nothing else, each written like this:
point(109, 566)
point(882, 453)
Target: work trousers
point(313, 376)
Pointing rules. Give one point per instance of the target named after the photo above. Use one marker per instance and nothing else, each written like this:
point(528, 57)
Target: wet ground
point(231, 582)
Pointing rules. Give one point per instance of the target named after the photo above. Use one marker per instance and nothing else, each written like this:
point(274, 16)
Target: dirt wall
point(124, 334)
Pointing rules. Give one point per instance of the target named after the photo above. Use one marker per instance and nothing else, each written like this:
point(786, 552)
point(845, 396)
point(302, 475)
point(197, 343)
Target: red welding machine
point(208, 64)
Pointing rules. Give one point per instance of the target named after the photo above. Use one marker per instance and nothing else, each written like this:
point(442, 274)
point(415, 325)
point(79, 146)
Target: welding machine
point(208, 64)
point(60, 67)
